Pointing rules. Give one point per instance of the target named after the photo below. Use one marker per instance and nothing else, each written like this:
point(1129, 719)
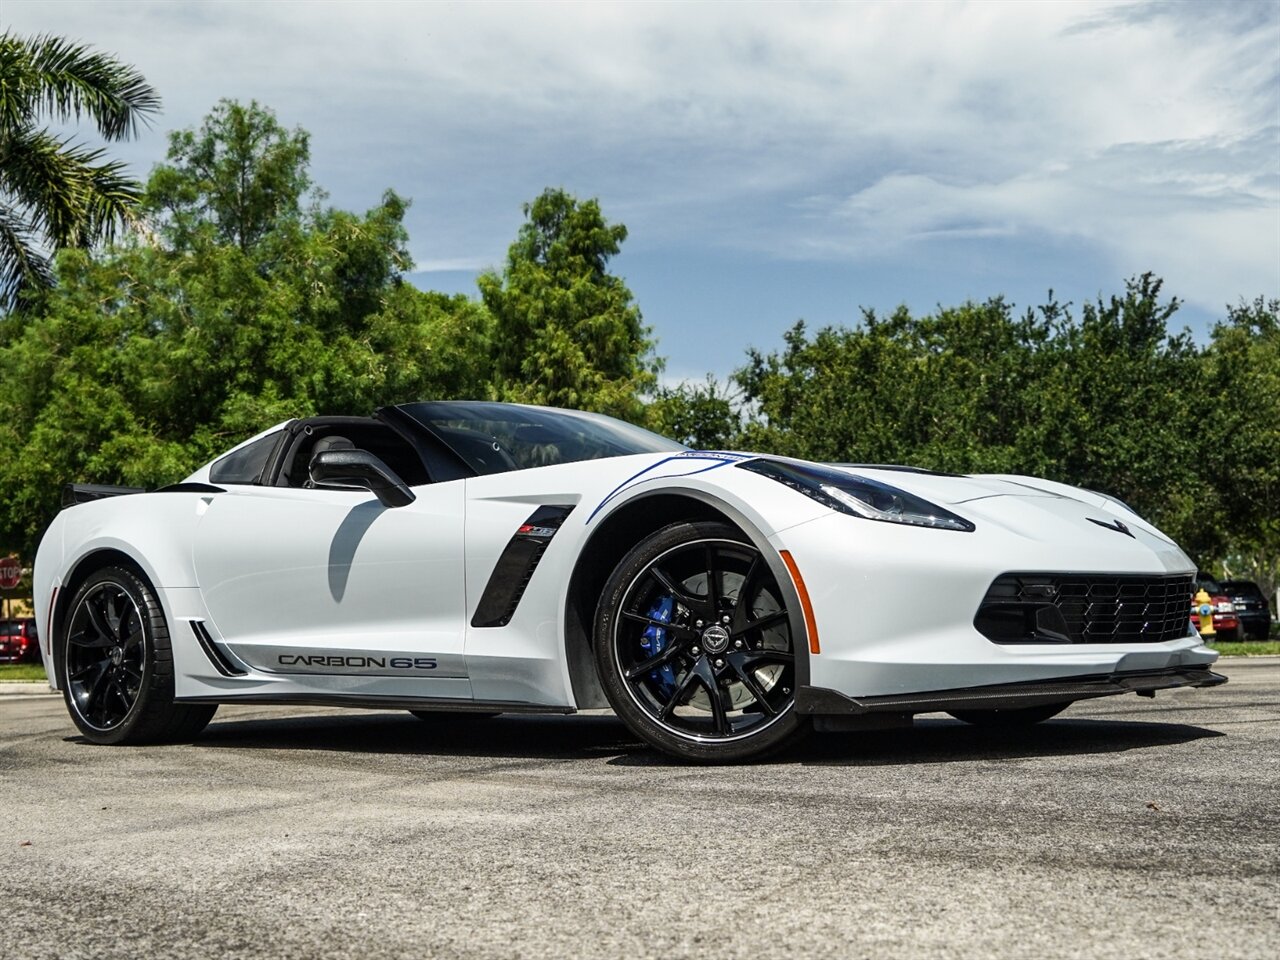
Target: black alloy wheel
point(106, 655)
point(116, 664)
point(694, 646)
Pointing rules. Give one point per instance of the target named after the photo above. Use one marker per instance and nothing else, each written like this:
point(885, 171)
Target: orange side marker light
point(810, 624)
point(46, 639)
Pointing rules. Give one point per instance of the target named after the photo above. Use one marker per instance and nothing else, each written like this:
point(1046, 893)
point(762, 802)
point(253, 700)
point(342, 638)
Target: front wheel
point(116, 665)
point(694, 649)
point(1019, 717)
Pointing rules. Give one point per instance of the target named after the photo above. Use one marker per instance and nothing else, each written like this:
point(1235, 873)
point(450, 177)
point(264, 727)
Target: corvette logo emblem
point(1115, 525)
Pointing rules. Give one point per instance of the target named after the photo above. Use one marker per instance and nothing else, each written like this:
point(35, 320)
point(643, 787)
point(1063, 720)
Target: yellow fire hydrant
point(1204, 607)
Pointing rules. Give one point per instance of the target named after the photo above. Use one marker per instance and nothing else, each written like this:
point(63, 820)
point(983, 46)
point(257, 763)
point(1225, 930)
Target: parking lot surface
point(1125, 828)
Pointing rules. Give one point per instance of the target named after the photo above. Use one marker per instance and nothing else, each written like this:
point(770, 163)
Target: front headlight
point(858, 496)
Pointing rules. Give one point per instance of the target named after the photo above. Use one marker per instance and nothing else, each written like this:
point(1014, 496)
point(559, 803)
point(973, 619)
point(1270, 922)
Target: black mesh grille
point(1085, 608)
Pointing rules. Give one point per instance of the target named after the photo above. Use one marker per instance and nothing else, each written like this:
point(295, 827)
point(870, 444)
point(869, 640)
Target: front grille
point(1085, 608)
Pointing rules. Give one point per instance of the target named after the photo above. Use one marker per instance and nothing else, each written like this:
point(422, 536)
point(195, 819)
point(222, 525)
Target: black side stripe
point(514, 569)
point(221, 662)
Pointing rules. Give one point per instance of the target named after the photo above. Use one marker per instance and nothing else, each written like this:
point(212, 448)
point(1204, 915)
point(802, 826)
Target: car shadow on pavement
point(451, 735)
point(587, 737)
point(950, 741)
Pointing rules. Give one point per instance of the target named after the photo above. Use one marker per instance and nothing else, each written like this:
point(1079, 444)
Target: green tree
point(566, 331)
point(149, 358)
point(55, 194)
point(236, 181)
point(1100, 401)
point(1116, 412)
point(249, 303)
point(1240, 423)
point(706, 416)
point(938, 391)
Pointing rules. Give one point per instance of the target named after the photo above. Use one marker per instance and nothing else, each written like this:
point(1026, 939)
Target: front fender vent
point(514, 569)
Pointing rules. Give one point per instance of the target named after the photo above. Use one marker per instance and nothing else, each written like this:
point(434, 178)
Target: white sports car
point(495, 558)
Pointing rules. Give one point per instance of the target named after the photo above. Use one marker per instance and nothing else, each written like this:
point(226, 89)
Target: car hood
point(1030, 507)
point(1027, 506)
point(946, 488)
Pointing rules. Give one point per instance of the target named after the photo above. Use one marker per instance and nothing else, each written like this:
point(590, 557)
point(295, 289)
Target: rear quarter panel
point(154, 530)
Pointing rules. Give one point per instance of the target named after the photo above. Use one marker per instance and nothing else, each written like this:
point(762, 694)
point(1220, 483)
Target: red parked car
point(18, 641)
point(1225, 622)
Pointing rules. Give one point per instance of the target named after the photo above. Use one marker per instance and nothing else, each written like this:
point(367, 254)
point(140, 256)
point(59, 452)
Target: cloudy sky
point(771, 162)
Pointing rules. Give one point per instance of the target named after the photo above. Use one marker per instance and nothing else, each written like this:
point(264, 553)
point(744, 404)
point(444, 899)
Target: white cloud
point(1206, 212)
point(802, 130)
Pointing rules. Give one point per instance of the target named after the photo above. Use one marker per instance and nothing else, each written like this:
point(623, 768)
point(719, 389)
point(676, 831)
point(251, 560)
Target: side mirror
point(360, 468)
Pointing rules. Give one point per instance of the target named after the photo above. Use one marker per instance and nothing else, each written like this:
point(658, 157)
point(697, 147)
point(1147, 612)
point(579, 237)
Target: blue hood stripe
point(722, 459)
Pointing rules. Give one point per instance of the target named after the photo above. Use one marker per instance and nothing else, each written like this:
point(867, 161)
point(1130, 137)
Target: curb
point(27, 688)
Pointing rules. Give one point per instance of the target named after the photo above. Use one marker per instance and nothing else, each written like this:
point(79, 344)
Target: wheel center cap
point(117, 655)
point(715, 639)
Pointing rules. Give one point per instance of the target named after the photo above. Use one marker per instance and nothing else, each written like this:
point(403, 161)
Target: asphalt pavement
point(1126, 828)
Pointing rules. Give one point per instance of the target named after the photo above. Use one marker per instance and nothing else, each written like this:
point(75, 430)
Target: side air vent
point(74, 493)
point(221, 662)
point(514, 569)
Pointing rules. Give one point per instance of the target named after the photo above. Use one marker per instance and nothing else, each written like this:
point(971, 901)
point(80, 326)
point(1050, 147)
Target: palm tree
point(55, 193)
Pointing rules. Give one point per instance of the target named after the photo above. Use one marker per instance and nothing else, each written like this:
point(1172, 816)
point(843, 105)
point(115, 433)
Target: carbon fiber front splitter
point(821, 702)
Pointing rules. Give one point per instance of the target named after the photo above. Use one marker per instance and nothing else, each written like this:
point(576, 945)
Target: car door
point(324, 583)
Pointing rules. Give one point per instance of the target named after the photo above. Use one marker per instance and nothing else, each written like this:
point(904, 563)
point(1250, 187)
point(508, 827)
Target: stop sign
point(10, 572)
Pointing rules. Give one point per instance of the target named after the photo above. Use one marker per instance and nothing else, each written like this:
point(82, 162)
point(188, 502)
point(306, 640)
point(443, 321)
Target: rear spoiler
point(74, 493)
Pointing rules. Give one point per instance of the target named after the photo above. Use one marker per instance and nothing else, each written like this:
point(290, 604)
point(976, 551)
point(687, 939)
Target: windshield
point(497, 437)
point(1244, 588)
point(1208, 585)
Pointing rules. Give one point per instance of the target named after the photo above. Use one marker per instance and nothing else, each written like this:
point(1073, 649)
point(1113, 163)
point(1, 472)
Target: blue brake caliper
point(654, 641)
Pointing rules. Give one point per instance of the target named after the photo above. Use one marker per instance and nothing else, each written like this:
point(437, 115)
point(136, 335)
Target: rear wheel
point(116, 665)
point(1020, 717)
point(694, 649)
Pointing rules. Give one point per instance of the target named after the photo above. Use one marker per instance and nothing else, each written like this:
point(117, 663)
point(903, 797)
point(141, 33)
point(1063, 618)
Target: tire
point(1008, 719)
point(693, 646)
point(115, 663)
